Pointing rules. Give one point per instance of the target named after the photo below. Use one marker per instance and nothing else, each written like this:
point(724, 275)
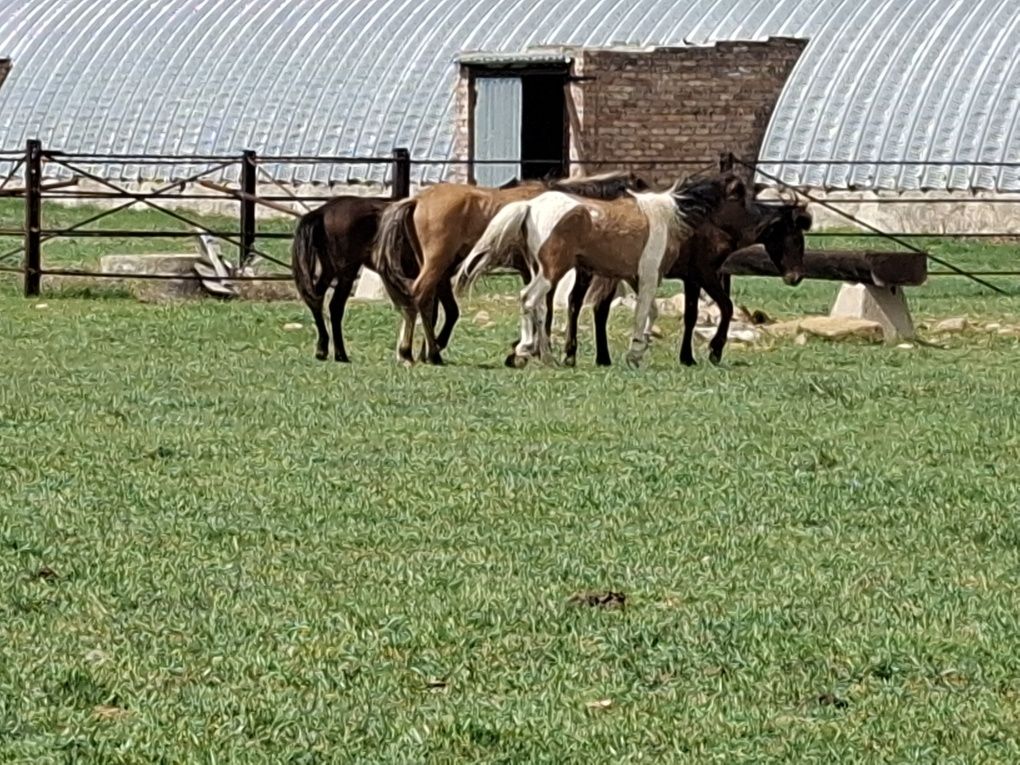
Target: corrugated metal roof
point(882, 80)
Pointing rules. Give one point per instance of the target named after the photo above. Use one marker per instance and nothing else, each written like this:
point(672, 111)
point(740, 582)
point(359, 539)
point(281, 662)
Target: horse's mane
point(606, 186)
point(790, 213)
point(697, 197)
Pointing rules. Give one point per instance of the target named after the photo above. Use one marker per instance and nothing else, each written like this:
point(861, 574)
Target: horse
point(780, 228)
point(331, 244)
point(437, 228)
point(625, 238)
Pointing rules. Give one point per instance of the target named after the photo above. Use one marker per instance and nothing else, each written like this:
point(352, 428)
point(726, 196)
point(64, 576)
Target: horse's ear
point(735, 188)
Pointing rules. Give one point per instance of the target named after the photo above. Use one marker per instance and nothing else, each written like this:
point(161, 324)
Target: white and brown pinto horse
point(633, 238)
point(422, 240)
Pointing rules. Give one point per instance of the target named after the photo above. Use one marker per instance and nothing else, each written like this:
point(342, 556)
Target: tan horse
point(437, 229)
point(634, 238)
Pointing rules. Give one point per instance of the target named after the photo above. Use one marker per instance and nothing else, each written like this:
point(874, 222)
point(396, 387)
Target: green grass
point(257, 557)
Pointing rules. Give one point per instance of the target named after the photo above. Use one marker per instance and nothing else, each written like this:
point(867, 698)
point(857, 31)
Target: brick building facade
point(641, 106)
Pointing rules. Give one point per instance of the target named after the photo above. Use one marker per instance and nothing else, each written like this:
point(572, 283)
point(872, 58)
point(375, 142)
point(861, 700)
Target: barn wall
point(679, 103)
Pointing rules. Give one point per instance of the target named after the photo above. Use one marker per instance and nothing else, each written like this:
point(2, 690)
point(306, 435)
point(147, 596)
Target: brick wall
point(678, 103)
point(689, 103)
point(458, 173)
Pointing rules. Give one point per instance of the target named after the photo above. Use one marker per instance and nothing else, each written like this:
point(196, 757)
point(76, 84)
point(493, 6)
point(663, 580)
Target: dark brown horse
point(331, 245)
point(780, 227)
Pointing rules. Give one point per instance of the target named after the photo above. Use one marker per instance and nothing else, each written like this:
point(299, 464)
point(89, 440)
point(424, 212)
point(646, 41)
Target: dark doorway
point(543, 126)
point(519, 114)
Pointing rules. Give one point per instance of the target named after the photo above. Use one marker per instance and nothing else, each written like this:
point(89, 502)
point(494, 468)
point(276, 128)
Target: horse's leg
point(322, 341)
point(601, 315)
point(715, 289)
point(582, 281)
point(522, 350)
point(451, 313)
point(647, 282)
point(432, 316)
point(653, 315)
point(424, 290)
point(691, 293)
point(544, 319)
point(405, 340)
point(532, 303)
point(526, 277)
point(337, 305)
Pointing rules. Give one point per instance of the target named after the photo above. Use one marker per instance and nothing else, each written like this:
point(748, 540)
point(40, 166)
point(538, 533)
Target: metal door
point(497, 129)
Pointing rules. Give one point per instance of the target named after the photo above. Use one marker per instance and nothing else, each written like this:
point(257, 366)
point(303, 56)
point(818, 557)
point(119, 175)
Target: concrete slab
point(885, 305)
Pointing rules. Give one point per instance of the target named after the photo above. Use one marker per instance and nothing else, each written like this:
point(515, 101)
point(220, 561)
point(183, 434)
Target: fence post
point(33, 217)
point(248, 191)
point(401, 173)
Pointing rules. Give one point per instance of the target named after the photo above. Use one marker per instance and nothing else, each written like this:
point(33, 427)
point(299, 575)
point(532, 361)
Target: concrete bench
point(873, 282)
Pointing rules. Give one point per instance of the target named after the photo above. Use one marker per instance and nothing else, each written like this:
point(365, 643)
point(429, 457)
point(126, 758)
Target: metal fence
point(255, 187)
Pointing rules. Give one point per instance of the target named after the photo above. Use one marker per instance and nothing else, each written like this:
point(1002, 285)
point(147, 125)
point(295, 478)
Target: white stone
point(482, 318)
point(292, 326)
point(166, 264)
point(885, 305)
point(800, 339)
point(842, 328)
point(671, 306)
point(744, 335)
point(41, 306)
point(370, 287)
point(905, 346)
point(958, 324)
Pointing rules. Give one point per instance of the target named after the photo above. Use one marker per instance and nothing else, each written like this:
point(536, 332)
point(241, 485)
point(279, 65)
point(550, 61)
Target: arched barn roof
point(913, 80)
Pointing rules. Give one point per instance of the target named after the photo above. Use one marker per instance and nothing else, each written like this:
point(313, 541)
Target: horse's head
point(782, 234)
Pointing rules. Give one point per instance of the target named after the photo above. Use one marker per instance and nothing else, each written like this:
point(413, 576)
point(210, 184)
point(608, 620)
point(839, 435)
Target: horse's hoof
point(513, 361)
point(436, 360)
point(341, 358)
point(634, 360)
point(688, 362)
point(603, 362)
point(570, 361)
point(715, 357)
point(406, 363)
point(321, 355)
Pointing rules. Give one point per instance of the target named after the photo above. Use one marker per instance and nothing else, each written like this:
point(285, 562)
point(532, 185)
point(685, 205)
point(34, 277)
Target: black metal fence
point(32, 163)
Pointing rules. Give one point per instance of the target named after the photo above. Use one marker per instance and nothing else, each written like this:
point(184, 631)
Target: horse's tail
point(602, 287)
point(396, 256)
point(504, 238)
point(308, 252)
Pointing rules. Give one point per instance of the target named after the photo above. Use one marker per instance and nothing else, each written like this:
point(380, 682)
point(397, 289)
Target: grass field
point(216, 549)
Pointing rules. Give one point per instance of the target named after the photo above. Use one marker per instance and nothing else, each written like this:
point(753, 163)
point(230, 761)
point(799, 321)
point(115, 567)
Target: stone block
point(183, 265)
point(886, 306)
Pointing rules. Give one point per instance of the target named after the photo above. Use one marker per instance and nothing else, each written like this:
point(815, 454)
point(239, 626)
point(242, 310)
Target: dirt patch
point(832, 700)
point(605, 599)
point(46, 574)
point(105, 712)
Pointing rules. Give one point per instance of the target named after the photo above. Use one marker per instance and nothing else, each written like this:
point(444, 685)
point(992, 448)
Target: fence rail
point(31, 163)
